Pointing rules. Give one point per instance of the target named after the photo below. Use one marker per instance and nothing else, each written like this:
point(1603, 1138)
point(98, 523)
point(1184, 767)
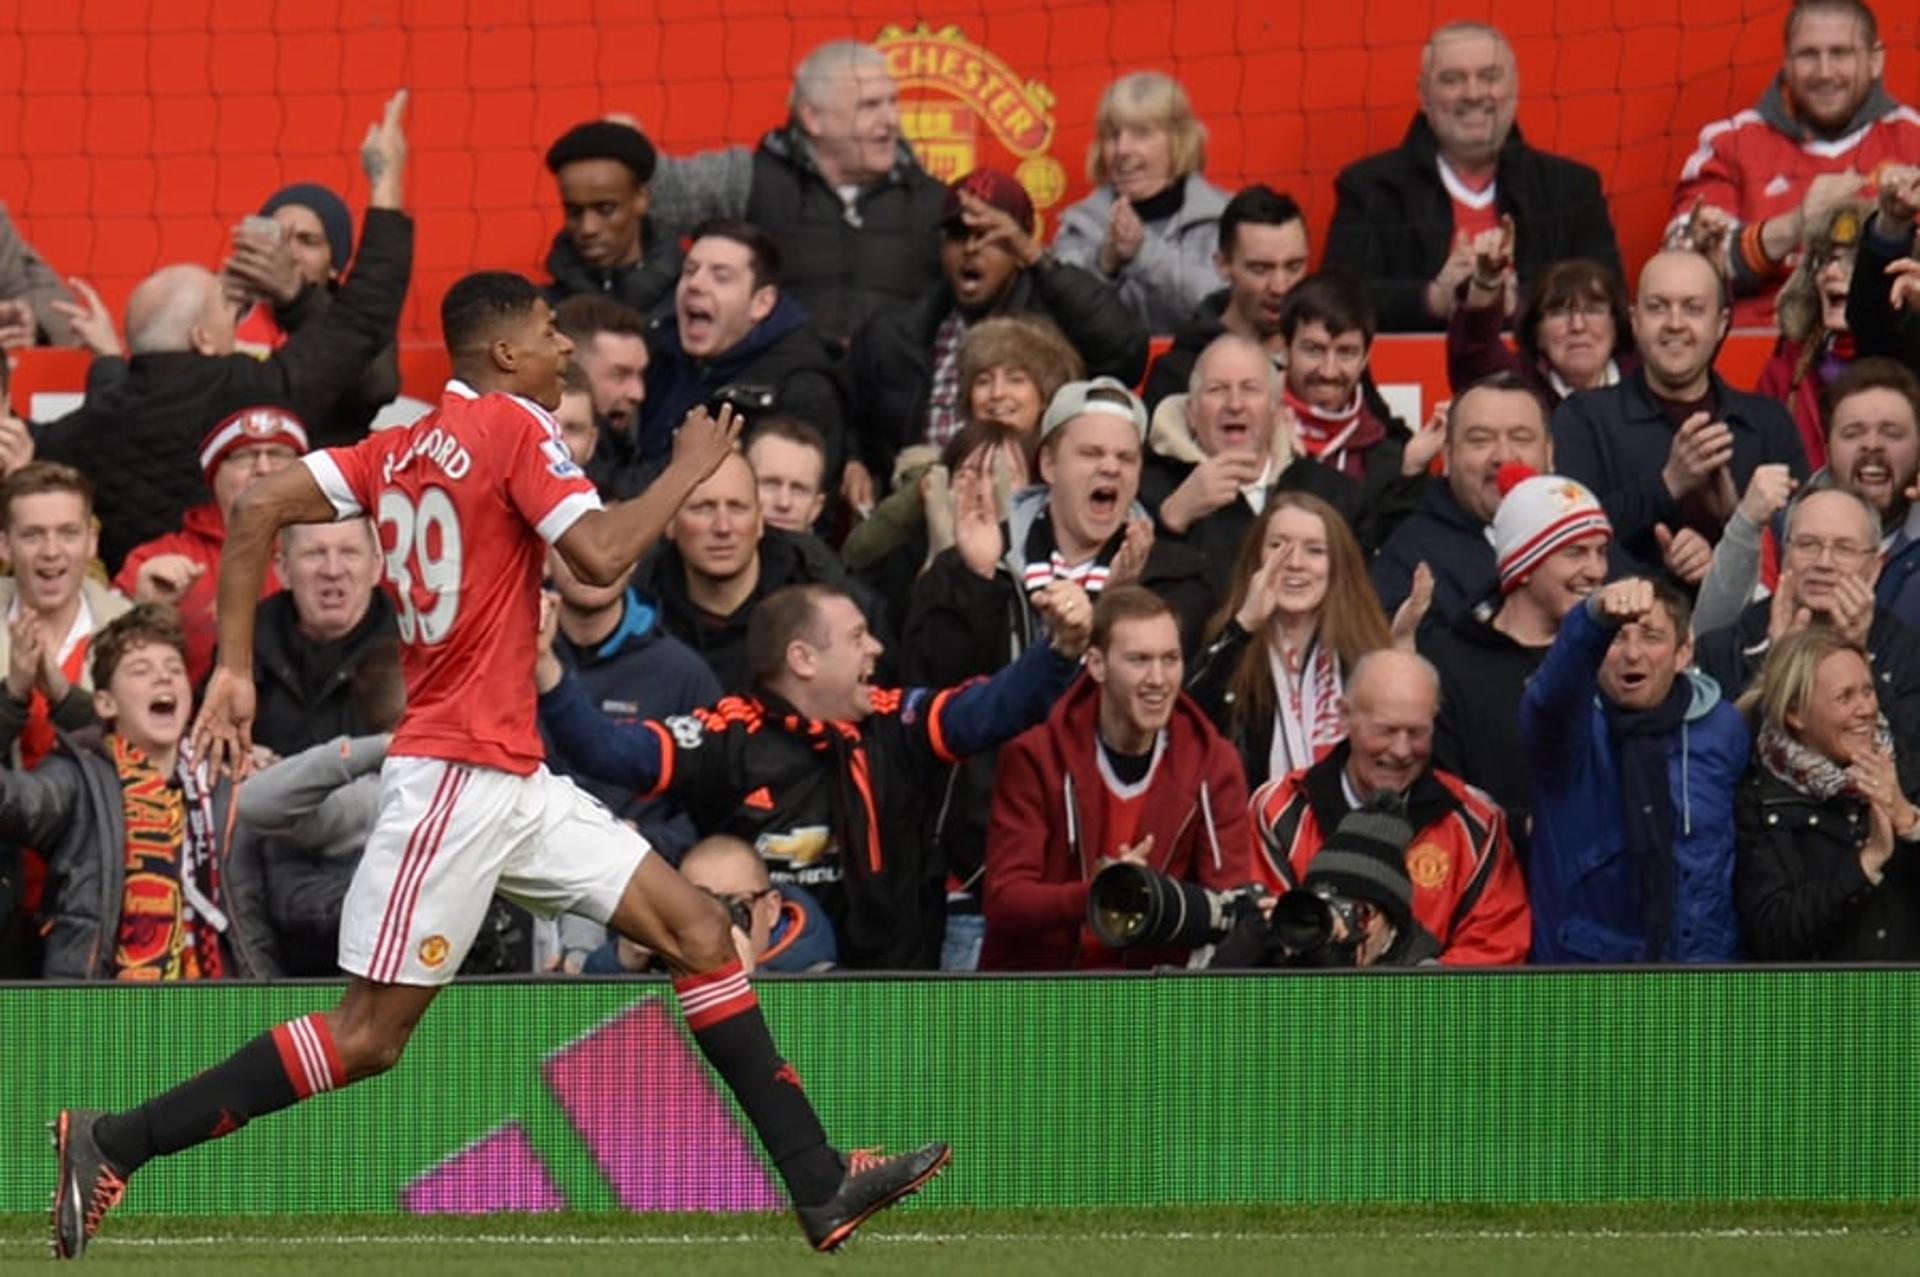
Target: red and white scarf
point(1307, 687)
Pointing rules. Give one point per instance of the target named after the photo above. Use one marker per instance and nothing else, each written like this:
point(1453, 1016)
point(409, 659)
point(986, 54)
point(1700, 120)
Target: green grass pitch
point(1745, 1240)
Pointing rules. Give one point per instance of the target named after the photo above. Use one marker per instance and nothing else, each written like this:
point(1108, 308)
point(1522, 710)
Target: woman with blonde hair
point(1823, 869)
point(1301, 612)
point(1152, 223)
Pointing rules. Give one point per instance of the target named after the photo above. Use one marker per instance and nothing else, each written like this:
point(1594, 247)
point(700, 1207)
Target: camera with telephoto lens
point(1130, 906)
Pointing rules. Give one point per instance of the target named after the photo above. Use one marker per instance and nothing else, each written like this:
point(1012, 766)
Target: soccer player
point(468, 499)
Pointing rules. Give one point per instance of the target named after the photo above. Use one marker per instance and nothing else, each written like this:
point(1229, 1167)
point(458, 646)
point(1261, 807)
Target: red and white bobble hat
point(250, 426)
point(1538, 514)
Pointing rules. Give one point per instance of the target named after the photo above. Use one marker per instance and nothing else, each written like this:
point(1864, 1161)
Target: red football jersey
point(466, 499)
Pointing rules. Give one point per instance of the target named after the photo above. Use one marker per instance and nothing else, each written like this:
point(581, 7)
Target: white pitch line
point(735, 1239)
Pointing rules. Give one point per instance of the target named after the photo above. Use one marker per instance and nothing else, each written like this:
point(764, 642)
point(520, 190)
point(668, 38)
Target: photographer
point(1125, 768)
point(1353, 909)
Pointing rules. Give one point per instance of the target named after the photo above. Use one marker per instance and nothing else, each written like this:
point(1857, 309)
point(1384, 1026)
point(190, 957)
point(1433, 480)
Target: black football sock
point(724, 1015)
point(271, 1072)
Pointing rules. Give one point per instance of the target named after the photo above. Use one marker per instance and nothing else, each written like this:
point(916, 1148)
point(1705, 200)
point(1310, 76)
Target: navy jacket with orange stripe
point(737, 769)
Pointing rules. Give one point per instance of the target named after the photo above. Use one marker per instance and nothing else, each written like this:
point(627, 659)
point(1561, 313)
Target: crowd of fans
point(1608, 661)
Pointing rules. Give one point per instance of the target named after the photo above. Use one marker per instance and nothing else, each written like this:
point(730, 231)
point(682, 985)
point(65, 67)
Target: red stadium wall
point(142, 132)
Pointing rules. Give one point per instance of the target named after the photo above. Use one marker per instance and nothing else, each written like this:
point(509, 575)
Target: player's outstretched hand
point(1068, 612)
point(703, 441)
point(223, 733)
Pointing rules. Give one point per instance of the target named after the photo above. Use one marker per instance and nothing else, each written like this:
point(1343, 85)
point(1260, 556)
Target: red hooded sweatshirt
point(1053, 822)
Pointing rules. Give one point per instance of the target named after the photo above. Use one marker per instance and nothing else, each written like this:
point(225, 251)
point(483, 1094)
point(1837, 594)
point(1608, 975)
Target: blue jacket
point(1585, 891)
point(637, 672)
point(1898, 589)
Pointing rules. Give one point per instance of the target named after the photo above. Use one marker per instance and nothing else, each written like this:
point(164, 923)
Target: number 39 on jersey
point(420, 542)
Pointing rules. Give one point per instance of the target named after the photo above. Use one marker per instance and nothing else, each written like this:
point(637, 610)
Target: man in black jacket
point(1550, 540)
point(309, 639)
point(138, 438)
point(720, 559)
point(609, 245)
point(1495, 422)
point(610, 348)
point(906, 362)
point(733, 334)
point(1672, 445)
point(1263, 253)
point(1406, 217)
point(836, 186)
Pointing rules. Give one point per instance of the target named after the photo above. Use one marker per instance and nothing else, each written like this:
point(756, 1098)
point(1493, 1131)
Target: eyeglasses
point(740, 904)
point(1589, 309)
point(1814, 549)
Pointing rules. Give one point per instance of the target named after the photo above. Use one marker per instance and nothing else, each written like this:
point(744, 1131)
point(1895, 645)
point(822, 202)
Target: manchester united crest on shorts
point(433, 951)
point(1428, 866)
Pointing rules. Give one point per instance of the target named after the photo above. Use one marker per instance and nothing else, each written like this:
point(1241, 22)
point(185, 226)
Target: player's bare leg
point(690, 930)
point(361, 1037)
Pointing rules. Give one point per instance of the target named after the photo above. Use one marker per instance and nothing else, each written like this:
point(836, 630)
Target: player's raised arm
point(223, 733)
point(602, 544)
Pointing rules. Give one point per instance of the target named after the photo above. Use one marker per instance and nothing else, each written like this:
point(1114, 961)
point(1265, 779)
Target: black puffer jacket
point(646, 284)
point(1797, 880)
point(1477, 734)
point(846, 266)
point(299, 705)
point(892, 362)
point(138, 436)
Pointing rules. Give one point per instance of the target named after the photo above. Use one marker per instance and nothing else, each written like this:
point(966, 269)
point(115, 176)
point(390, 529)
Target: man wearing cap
point(290, 279)
point(906, 362)
point(1126, 767)
point(970, 614)
point(1467, 888)
point(181, 568)
point(1550, 540)
point(609, 245)
point(138, 434)
point(1362, 864)
point(1634, 760)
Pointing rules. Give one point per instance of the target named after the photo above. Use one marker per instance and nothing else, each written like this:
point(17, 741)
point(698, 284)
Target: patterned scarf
point(1045, 564)
point(1306, 716)
point(1804, 770)
point(943, 392)
point(170, 923)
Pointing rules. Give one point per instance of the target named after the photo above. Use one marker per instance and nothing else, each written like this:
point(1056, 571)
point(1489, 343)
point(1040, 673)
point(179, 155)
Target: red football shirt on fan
point(467, 500)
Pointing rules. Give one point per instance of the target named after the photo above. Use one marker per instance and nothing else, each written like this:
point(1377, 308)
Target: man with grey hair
point(1829, 562)
point(138, 434)
point(1467, 888)
point(836, 186)
point(1217, 453)
point(1408, 219)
